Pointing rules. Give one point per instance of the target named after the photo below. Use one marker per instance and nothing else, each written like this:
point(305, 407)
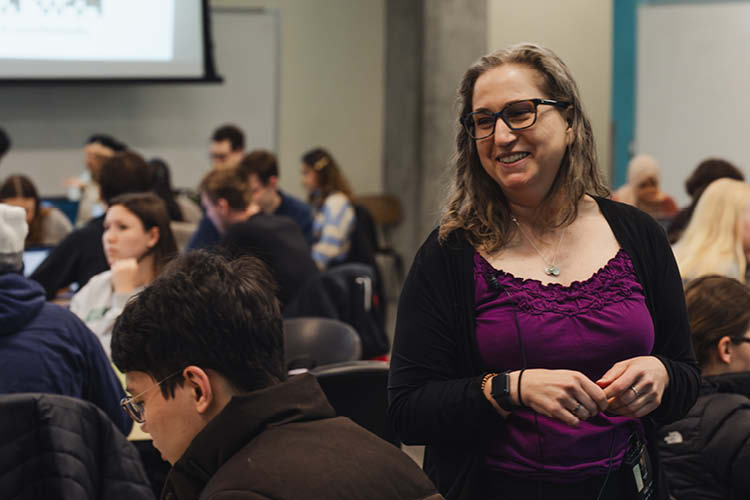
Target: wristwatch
point(501, 391)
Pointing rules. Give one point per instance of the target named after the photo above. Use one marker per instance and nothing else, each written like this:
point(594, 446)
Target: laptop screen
point(32, 257)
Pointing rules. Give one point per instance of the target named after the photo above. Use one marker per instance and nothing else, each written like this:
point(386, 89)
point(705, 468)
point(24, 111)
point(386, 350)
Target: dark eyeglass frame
point(135, 408)
point(468, 121)
point(739, 340)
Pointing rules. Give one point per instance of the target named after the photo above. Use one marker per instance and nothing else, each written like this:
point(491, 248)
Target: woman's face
point(524, 162)
point(648, 189)
point(28, 204)
point(124, 236)
point(309, 178)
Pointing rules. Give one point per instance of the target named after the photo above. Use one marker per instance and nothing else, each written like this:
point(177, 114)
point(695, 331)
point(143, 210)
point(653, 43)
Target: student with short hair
point(261, 171)
point(247, 229)
point(203, 355)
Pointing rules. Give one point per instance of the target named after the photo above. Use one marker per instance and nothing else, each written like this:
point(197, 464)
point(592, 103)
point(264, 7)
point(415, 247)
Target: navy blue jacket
point(299, 211)
point(46, 348)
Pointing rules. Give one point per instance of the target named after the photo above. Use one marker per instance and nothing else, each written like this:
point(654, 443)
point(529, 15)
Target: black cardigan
point(434, 386)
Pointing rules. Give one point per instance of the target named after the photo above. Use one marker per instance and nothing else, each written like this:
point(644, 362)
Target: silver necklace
point(550, 268)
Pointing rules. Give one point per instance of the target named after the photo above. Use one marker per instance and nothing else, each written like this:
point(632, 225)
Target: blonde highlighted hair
point(712, 242)
point(476, 202)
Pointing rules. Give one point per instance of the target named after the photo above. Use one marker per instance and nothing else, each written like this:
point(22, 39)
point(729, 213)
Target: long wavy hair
point(476, 202)
point(330, 177)
point(712, 242)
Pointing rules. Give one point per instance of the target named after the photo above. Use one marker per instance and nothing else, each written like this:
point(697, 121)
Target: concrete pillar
point(422, 75)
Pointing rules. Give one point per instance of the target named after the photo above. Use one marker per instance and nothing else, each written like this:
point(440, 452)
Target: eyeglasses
point(740, 340)
point(516, 115)
point(135, 408)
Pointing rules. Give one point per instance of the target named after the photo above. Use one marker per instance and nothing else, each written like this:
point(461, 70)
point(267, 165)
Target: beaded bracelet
point(486, 378)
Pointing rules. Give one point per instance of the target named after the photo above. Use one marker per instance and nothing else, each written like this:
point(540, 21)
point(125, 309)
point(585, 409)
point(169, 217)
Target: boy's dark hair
point(162, 186)
point(226, 183)
point(107, 141)
point(261, 163)
point(208, 311)
point(125, 172)
point(230, 133)
point(4, 142)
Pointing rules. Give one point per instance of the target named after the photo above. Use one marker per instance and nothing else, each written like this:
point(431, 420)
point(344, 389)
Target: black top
point(706, 455)
point(77, 258)
point(436, 370)
point(279, 242)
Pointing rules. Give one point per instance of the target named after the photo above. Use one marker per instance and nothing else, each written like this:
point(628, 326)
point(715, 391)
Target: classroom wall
point(580, 32)
point(332, 85)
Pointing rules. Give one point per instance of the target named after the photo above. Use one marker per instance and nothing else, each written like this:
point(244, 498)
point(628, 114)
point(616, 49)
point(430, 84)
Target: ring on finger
point(578, 407)
point(635, 391)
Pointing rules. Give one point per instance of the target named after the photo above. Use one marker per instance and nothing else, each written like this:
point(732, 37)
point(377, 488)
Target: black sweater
point(434, 387)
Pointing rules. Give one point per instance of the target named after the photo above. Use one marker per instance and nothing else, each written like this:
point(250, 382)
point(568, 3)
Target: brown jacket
point(285, 442)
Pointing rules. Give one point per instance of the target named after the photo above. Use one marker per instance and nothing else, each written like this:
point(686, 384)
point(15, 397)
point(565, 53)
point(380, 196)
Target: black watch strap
point(501, 391)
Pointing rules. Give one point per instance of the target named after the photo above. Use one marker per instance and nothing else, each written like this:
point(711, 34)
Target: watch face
point(501, 391)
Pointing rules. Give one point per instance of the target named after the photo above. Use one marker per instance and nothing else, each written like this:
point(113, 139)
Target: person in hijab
point(642, 190)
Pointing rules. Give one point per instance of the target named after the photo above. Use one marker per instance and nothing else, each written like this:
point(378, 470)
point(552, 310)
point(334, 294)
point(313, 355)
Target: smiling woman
point(137, 242)
point(541, 322)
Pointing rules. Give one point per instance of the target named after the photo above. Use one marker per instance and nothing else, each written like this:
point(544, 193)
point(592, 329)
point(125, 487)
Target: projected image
point(87, 30)
point(52, 7)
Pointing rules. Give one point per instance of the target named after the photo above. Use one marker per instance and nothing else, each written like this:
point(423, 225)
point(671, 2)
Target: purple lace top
point(586, 326)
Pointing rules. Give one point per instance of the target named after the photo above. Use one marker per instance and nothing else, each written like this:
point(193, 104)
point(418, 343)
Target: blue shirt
point(299, 212)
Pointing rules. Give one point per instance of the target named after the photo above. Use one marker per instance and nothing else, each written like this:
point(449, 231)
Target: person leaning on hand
point(541, 334)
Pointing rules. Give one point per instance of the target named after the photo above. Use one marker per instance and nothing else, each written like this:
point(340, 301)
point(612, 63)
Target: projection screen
point(105, 40)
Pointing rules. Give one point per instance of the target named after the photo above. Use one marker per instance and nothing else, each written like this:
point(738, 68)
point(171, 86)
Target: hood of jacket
point(21, 299)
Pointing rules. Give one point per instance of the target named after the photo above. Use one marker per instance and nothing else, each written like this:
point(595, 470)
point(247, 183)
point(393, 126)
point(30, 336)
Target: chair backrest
point(182, 232)
point(311, 342)
point(349, 293)
point(359, 390)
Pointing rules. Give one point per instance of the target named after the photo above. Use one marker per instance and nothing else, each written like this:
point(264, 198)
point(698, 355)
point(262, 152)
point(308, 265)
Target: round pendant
point(552, 270)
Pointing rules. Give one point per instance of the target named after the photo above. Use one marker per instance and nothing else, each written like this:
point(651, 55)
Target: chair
point(346, 292)
point(386, 213)
point(359, 390)
point(311, 342)
point(182, 232)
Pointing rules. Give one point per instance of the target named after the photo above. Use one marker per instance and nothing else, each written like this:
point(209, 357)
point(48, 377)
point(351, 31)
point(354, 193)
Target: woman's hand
point(566, 395)
point(124, 274)
point(634, 387)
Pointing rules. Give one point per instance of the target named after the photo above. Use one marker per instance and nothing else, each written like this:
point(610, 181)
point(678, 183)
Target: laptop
point(32, 257)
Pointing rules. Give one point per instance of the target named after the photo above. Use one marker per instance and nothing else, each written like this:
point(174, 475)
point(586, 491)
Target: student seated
point(261, 171)
point(138, 242)
point(80, 255)
point(44, 347)
point(329, 192)
point(706, 455)
point(246, 229)
point(47, 225)
point(202, 352)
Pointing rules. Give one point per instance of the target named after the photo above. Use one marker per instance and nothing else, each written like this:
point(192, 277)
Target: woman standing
point(330, 195)
point(138, 243)
point(541, 331)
